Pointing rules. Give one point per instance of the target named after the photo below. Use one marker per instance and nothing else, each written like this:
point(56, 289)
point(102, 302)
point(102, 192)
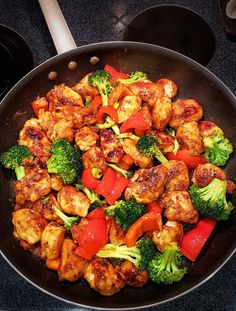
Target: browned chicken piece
point(185, 110)
point(33, 137)
point(53, 264)
point(62, 95)
point(205, 173)
point(169, 87)
point(178, 177)
point(40, 101)
point(188, 135)
point(29, 225)
point(145, 110)
point(33, 186)
point(72, 266)
point(147, 185)
point(161, 113)
point(52, 240)
point(44, 206)
point(85, 138)
point(84, 88)
point(129, 147)
point(148, 91)
point(132, 275)
point(116, 233)
point(73, 202)
point(103, 277)
point(166, 142)
point(111, 146)
point(36, 163)
point(56, 182)
point(94, 158)
point(208, 128)
point(172, 232)
point(128, 106)
point(178, 207)
point(54, 127)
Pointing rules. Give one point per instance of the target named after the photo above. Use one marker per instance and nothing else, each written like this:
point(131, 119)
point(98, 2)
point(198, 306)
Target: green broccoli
point(139, 255)
point(123, 172)
point(147, 145)
point(217, 149)
point(14, 157)
point(167, 268)
point(210, 200)
point(68, 220)
point(134, 77)
point(101, 80)
point(109, 123)
point(126, 212)
point(65, 161)
point(93, 197)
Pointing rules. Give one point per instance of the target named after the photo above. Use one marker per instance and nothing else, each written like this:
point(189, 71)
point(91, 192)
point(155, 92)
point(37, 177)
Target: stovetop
point(96, 21)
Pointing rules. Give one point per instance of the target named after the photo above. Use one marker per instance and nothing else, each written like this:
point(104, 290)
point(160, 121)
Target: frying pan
point(194, 81)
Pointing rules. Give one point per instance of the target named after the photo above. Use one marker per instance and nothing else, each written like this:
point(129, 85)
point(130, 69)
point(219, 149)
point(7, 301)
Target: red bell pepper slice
point(110, 110)
point(97, 213)
point(118, 187)
point(96, 102)
point(118, 92)
point(126, 162)
point(89, 180)
point(147, 222)
point(190, 160)
point(194, 240)
point(135, 122)
point(92, 239)
point(38, 104)
point(155, 207)
point(115, 74)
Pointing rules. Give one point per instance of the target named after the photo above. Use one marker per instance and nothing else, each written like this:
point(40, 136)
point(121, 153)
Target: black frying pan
point(193, 80)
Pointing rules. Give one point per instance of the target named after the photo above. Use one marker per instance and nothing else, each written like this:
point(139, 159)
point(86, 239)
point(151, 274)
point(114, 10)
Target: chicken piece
point(29, 225)
point(35, 164)
point(62, 95)
point(172, 232)
point(103, 277)
point(129, 147)
point(205, 173)
point(188, 135)
point(178, 178)
point(145, 110)
point(56, 128)
point(116, 233)
point(45, 205)
point(73, 202)
point(128, 106)
point(132, 275)
point(147, 91)
point(72, 266)
point(85, 138)
point(208, 128)
point(34, 138)
point(161, 113)
point(178, 207)
point(166, 142)
point(33, 186)
point(185, 110)
point(111, 146)
point(169, 87)
point(94, 158)
point(52, 240)
point(147, 185)
point(53, 264)
point(77, 229)
point(56, 182)
point(84, 88)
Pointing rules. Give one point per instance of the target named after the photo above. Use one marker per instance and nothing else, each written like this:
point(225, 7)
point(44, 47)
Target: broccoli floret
point(100, 79)
point(134, 76)
point(93, 197)
point(139, 255)
point(210, 200)
point(126, 212)
point(14, 157)
point(167, 268)
point(147, 145)
point(217, 149)
point(123, 172)
point(68, 220)
point(65, 161)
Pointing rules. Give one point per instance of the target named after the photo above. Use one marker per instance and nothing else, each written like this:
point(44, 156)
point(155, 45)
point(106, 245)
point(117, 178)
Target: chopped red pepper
point(118, 187)
point(38, 104)
point(110, 110)
point(194, 240)
point(155, 207)
point(190, 160)
point(97, 213)
point(96, 102)
point(126, 162)
point(89, 180)
point(135, 122)
point(115, 74)
point(118, 92)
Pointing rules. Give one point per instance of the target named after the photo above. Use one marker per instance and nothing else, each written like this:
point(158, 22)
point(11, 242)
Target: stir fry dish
point(118, 181)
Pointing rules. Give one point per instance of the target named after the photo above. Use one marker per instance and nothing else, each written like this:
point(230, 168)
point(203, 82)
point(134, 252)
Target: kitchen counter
point(96, 21)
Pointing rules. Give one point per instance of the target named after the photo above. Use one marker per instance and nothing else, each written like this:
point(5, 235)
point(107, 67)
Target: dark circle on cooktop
point(16, 59)
point(176, 28)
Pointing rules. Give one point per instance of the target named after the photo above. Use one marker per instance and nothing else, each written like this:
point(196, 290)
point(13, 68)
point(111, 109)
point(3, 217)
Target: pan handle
point(57, 25)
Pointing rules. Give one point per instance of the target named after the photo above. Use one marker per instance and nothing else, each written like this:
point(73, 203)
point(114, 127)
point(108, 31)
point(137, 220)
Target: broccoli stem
point(160, 156)
point(68, 221)
point(123, 172)
point(20, 172)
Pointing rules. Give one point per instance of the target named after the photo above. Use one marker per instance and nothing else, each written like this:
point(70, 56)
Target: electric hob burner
point(176, 28)
point(15, 59)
